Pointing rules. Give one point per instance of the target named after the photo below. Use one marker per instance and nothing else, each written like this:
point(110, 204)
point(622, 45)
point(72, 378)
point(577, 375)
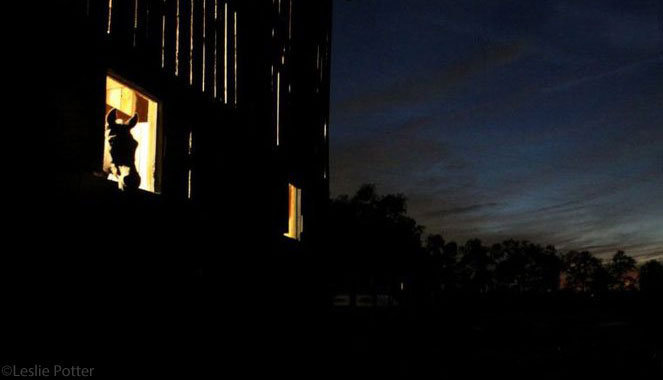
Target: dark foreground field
point(538, 339)
point(152, 331)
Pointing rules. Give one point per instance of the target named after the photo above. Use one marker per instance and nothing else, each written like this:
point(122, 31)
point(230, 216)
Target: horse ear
point(112, 116)
point(133, 121)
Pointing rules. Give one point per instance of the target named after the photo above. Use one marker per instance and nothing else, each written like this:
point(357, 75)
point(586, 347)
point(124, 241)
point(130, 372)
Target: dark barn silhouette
point(209, 263)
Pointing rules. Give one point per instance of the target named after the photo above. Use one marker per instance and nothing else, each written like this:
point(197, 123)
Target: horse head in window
point(122, 151)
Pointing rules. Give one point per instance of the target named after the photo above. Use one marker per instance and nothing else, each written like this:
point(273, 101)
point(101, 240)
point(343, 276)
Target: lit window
point(295, 217)
point(128, 102)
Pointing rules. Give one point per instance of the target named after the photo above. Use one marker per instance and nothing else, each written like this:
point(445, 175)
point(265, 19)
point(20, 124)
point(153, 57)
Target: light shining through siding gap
point(135, 21)
point(225, 54)
point(110, 16)
point(190, 170)
point(191, 45)
point(278, 108)
point(163, 38)
point(204, 41)
point(177, 38)
point(216, 34)
point(235, 55)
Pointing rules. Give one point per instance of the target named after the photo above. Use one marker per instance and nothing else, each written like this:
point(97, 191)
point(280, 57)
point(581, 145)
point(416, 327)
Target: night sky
point(538, 120)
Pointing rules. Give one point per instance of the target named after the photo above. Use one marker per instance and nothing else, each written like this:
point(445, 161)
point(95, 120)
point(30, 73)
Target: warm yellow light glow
point(128, 102)
point(295, 218)
point(110, 16)
point(325, 130)
point(188, 194)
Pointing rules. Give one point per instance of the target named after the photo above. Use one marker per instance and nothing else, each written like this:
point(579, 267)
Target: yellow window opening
point(295, 218)
point(128, 101)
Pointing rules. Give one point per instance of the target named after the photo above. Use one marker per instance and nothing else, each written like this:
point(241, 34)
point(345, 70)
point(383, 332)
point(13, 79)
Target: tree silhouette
point(376, 246)
point(620, 267)
point(601, 280)
point(584, 272)
point(651, 278)
point(476, 267)
point(443, 259)
point(373, 241)
point(524, 267)
point(543, 267)
point(451, 270)
point(551, 266)
point(511, 265)
point(434, 250)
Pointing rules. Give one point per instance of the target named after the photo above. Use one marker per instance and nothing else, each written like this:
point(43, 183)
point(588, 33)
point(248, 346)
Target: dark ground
point(151, 337)
point(137, 324)
point(546, 338)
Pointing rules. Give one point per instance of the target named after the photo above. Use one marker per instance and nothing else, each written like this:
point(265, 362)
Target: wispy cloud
point(414, 87)
point(459, 210)
point(568, 85)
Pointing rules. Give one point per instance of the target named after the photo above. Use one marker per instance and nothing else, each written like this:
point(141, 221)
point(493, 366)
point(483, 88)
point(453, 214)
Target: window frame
point(159, 149)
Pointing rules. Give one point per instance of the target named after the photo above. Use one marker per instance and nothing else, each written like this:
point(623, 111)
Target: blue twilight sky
point(539, 120)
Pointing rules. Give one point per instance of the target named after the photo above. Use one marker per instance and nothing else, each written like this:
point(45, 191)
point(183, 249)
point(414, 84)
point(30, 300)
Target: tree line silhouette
point(377, 247)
